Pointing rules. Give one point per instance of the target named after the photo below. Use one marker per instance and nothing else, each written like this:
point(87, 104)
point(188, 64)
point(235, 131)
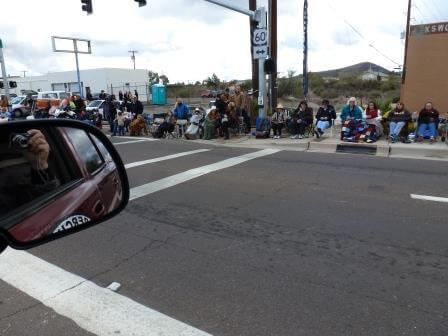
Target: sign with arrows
point(260, 52)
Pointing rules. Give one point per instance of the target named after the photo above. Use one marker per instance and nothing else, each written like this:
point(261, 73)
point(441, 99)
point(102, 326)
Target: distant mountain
point(356, 69)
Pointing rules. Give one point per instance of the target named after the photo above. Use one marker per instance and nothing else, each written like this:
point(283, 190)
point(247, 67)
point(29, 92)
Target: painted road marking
point(164, 158)
point(130, 137)
point(95, 309)
point(99, 310)
point(171, 181)
point(429, 198)
point(128, 142)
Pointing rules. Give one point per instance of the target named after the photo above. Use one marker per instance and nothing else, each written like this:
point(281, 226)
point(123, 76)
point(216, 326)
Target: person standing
point(110, 112)
point(79, 105)
point(278, 121)
point(137, 107)
point(136, 94)
point(428, 119)
point(120, 96)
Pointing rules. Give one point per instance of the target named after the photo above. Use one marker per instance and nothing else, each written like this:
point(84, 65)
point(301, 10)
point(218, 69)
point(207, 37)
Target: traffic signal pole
point(258, 16)
point(5, 79)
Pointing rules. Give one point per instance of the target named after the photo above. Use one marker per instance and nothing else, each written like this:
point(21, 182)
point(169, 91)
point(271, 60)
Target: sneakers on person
point(300, 136)
point(419, 139)
point(317, 133)
point(432, 139)
point(320, 131)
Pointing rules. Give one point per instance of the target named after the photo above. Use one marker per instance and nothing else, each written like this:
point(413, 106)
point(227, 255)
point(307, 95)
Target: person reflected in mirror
point(26, 188)
point(325, 117)
point(428, 119)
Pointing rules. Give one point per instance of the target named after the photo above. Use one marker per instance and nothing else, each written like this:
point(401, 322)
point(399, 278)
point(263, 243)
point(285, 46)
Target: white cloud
point(189, 40)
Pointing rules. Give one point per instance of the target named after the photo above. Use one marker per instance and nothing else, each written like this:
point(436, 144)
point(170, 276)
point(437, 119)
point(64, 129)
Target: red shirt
point(371, 113)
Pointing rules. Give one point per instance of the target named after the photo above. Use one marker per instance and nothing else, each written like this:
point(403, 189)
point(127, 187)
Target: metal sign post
point(5, 79)
point(259, 46)
point(75, 51)
point(305, 49)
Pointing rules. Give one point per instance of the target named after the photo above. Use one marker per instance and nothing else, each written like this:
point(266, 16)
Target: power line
point(421, 13)
point(439, 17)
point(362, 36)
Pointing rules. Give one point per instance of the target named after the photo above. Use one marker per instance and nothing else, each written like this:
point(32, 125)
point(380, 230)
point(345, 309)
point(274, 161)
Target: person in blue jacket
point(351, 111)
point(180, 110)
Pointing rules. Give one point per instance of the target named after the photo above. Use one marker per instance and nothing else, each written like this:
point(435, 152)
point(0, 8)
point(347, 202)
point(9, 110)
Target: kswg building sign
point(435, 28)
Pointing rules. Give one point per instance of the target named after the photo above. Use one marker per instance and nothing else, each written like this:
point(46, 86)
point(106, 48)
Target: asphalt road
point(287, 244)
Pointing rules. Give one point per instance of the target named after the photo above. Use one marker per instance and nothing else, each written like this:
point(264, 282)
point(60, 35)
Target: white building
point(110, 80)
point(373, 75)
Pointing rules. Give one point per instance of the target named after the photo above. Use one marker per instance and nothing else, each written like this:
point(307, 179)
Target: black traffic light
point(87, 6)
point(141, 3)
point(1, 84)
point(12, 84)
point(270, 67)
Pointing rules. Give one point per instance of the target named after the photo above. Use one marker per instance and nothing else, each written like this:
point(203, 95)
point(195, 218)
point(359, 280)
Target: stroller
point(196, 129)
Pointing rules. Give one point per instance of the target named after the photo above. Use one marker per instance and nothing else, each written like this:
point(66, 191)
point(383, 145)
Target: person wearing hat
point(325, 116)
point(278, 121)
point(210, 124)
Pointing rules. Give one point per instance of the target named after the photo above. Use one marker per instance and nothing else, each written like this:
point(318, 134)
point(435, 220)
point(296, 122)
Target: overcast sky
point(188, 40)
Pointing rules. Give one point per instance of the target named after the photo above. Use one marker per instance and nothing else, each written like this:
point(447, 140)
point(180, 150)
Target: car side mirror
point(57, 177)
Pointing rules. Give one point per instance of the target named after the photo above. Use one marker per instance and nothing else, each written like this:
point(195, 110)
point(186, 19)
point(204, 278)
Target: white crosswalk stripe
point(96, 309)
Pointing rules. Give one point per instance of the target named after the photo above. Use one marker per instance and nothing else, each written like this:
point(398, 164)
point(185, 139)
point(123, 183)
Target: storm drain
point(356, 149)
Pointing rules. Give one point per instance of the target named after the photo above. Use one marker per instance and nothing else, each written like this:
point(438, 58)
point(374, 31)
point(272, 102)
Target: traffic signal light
point(87, 6)
point(270, 67)
point(141, 3)
point(1, 84)
point(12, 84)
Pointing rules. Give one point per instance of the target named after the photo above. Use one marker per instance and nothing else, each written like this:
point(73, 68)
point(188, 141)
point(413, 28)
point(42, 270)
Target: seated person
point(180, 112)
point(374, 129)
point(398, 117)
point(300, 119)
point(278, 121)
point(210, 124)
point(325, 116)
point(428, 119)
point(352, 121)
point(166, 127)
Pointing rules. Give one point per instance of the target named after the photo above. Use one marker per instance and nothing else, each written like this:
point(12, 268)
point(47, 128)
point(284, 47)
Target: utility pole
point(5, 80)
point(273, 50)
point(253, 26)
point(407, 33)
point(24, 73)
point(305, 49)
point(133, 52)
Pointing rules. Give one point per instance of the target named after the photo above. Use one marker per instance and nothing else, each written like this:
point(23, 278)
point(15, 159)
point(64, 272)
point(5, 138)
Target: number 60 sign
point(260, 37)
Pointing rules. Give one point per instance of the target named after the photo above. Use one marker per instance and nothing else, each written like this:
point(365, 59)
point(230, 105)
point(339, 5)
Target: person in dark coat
point(120, 96)
point(301, 118)
point(325, 116)
point(137, 107)
point(398, 117)
point(111, 114)
point(136, 94)
point(428, 119)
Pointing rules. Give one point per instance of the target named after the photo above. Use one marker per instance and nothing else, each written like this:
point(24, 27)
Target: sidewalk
point(328, 144)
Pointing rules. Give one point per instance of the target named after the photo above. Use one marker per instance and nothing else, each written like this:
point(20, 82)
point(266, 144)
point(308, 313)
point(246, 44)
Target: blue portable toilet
point(158, 94)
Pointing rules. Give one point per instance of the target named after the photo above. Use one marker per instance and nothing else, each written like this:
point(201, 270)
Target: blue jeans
point(323, 125)
point(395, 128)
point(111, 121)
point(119, 129)
point(423, 127)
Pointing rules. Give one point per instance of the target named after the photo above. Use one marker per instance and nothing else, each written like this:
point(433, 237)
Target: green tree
point(213, 81)
point(164, 79)
point(153, 77)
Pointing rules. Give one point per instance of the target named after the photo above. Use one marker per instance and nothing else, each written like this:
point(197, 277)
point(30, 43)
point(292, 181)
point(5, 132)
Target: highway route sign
point(260, 36)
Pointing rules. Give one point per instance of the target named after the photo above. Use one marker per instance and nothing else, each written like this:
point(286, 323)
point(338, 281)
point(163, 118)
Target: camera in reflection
point(19, 140)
